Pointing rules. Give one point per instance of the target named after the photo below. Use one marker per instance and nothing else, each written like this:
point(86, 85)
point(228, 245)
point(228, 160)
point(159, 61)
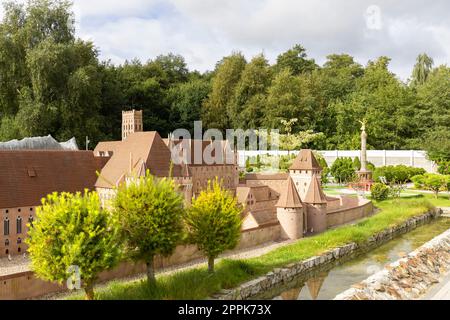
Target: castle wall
point(346, 215)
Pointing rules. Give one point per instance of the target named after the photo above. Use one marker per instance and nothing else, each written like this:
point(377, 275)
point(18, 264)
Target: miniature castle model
point(284, 205)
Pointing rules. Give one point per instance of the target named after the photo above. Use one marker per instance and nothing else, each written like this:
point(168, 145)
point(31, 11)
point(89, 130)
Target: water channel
point(325, 284)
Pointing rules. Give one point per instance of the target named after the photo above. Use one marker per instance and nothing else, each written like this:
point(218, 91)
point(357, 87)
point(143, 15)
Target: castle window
point(31, 209)
point(6, 227)
point(6, 243)
point(7, 211)
point(19, 225)
point(30, 220)
point(19, 241)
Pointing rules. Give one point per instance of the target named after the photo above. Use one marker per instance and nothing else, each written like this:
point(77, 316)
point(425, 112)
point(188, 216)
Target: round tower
point(290, 213)
point(316, 207)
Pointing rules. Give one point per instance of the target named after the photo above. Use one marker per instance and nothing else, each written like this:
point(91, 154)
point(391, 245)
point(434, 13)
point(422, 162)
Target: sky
point(204, 31)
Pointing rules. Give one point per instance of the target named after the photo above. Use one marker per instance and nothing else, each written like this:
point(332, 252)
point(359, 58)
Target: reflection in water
point(326, 284)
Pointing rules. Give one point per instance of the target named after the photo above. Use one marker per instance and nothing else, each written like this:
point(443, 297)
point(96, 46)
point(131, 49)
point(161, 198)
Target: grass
point(198, 284)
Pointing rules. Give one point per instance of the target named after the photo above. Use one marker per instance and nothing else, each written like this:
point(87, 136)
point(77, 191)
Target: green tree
point(430, 181)
point(249, 96)
point(186, 102)
point(73, 230)
point(342, 170)
point(214, 222)
point(296, 60)
point(227, 75)
point(357, 164)
point(421, 70)
point(51, 79)
point(150, 214)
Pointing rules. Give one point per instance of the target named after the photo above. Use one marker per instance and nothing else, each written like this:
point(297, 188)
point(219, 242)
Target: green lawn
point(198, 284)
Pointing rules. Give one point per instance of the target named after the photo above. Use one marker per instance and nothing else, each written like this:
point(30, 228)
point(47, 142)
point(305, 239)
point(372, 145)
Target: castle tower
point(131, 122)
point(302, 171)
point(290, 213)
point(316, 207)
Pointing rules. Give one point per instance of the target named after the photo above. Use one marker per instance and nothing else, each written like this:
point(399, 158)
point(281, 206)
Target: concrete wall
point(25, 285)
point(377, 157)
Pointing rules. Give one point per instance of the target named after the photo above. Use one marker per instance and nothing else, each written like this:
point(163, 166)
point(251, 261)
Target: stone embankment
point(408, 278)
point(288, 273)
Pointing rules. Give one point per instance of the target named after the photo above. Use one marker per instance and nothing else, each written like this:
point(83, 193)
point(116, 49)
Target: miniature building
point(317, 207)
point(290, 213)
point(364, 175)
point(27, 176)
point(131, 122)
point(303, 169)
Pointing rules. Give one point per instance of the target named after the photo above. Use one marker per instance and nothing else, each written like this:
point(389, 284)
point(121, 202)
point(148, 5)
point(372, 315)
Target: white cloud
point(204, 31)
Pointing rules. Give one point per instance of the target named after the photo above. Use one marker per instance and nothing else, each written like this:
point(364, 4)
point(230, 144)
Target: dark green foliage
point(397, 174)
point(379, 191)
point(343, 170)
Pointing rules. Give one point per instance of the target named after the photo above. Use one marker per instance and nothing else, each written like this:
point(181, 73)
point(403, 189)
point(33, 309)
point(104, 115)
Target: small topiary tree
point(150, 213)
point(357, 164)
point(72, 230)
point(430, 181)
point(214, 222)
point(379, 191)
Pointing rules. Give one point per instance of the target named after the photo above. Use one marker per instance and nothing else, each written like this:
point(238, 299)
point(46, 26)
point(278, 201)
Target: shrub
point(342, 170)
point(400, 174)
point(71, 230)
point(150, 212)
point(380, 191)
point(431, 181)
point(214, 222)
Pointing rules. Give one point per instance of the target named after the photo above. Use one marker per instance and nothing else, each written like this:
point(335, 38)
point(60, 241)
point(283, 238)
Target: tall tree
point(227, 75)
point(150, 214)
point(422, 69)
point(247, 101)
point(296, 60)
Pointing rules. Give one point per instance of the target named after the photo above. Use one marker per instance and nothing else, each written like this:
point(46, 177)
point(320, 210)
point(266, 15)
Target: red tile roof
point(305, 161)
point(26, 176)
point(315, 193)
point(289, 198)
point(147, 147)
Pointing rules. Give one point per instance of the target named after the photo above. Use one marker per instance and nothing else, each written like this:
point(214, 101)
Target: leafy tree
point(431, 181)
point(379, 191)
point(186, 102)
point(295, 59)
point(51, 79)
point(214, 222)
point(342, 170)
point(227, 75)
point(72, 230)
point(357, 164)
point(421, 70)
point(150, 213)
point(325, 169)
point(249, 95)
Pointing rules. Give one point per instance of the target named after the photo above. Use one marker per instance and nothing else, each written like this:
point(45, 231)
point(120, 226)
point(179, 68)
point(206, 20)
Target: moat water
point(327, 283)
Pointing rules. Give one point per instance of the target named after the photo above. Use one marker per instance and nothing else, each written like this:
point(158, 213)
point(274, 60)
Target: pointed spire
point(289, 197)
point(315, 193)
point(315, 284)
point(305, 161)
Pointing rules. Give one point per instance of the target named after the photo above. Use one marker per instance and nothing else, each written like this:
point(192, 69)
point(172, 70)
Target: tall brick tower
point(131, 122)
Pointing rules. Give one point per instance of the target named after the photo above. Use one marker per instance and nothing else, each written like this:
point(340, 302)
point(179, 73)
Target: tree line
point(51, 82)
